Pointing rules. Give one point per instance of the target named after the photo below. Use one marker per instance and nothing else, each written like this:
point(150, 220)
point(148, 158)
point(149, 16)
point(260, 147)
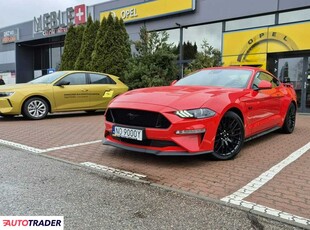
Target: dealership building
point(271, 34)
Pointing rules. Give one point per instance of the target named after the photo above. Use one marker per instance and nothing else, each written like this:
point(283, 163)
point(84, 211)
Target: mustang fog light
point(190, 131)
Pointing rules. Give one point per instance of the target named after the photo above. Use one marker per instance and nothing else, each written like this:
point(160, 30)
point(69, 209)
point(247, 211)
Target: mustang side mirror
point(264, 85)
point(172, 83)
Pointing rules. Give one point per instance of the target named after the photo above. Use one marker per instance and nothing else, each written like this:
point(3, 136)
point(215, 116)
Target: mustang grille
point(140, 118)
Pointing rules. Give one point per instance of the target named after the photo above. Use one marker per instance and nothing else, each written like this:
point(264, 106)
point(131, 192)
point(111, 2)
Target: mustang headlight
point(6, 94)
point(195, 113)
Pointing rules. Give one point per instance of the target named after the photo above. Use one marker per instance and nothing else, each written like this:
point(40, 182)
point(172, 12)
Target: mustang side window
point(264, 76)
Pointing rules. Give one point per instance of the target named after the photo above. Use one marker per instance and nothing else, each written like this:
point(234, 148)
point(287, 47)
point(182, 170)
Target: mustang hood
point(177, 97)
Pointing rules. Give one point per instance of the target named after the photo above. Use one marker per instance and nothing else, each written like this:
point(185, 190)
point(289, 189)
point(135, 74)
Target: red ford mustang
point(213, 110)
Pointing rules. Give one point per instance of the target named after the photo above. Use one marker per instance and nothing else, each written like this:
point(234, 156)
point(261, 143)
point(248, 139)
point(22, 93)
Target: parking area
point(271, 175)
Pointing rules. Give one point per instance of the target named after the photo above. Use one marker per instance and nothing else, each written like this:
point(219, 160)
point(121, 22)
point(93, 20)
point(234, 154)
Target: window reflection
point(193, 40)
point(55, 56)
point(212, 33)
point(294, 16)
point(174, 36)
point(195, 35)
point(250, 22)
point(291, 69)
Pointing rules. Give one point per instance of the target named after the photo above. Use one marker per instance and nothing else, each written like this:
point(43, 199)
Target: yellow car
point(61, 91)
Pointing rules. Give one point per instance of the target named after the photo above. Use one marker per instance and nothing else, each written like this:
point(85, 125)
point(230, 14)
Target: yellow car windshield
point(49, 78)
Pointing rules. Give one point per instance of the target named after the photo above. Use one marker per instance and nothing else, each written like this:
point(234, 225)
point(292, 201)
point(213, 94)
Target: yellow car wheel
point(35, 108)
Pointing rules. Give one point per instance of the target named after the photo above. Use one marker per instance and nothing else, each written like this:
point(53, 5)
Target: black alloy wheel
point(229, 137)
point(290, 119)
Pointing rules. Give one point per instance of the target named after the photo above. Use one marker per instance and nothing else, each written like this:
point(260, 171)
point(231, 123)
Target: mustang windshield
point(46, 79)
point(227, 78)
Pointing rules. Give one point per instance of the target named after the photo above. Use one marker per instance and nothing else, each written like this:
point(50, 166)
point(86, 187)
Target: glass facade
point(252, 22)
point(193, 40)
point(174, 36)
point(55, 56)
point(41, 57)
point(212, 33)
point(294, 16)
point(292, 69)
point(46, 57)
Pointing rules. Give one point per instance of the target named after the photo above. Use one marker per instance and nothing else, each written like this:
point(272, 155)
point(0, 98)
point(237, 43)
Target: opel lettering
point(131, 13)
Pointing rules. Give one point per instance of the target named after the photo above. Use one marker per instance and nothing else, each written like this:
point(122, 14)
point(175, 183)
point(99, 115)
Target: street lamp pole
point(181, 51)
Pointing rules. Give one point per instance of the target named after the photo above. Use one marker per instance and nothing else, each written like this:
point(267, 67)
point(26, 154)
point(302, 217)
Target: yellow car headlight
point(6, 94)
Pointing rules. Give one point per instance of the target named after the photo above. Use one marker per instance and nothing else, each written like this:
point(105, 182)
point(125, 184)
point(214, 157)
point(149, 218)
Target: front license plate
point(129, 133)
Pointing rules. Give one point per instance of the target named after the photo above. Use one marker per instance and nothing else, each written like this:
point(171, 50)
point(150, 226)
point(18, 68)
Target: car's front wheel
point(229, 137)
point(35, 108)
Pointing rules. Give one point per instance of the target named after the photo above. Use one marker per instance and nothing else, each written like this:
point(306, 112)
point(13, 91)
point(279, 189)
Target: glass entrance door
point(296, 70)
point(306, 86)
point(291, 70)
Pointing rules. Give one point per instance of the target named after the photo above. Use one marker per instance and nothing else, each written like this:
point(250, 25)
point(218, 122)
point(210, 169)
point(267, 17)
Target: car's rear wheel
point(35, 108)
point(290, 119)
point(229, 137)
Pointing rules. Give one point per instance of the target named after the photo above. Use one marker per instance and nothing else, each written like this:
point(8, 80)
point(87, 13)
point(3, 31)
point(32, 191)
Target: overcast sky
point(15, 11)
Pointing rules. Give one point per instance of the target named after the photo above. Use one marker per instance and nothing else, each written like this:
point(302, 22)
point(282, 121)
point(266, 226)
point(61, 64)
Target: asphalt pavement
point(35, 185)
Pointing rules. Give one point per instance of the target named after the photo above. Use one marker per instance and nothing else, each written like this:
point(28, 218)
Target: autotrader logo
point(31, 222)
